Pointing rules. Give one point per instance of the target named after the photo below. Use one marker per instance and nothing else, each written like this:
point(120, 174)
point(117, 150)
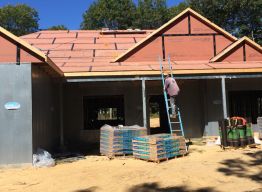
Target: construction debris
point(118, 140)
point(43, 159)
point(159, 147)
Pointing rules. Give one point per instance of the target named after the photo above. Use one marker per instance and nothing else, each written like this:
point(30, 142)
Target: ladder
point(175, 124)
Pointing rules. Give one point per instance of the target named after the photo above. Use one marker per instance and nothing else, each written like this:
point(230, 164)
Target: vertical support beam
point(61, 103)
point(214, 45)
point(244, 52)
point(144, 102)
point(18, 54)
point(189, 24)
point(224, 100)
point(163, 47)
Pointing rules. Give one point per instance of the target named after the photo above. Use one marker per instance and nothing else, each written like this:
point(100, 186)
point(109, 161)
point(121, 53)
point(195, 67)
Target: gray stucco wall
point(46, 118)
point(15, 125)
point(213, 108)
point(73, 107)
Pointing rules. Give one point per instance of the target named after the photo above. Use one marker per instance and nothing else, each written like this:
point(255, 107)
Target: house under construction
point(67, 84)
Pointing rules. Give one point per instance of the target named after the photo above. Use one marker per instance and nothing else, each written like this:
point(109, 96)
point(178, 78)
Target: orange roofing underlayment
point(194, 44)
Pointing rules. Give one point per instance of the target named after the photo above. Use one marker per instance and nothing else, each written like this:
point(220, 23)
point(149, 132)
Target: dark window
point(101, 110)
point(246, 104)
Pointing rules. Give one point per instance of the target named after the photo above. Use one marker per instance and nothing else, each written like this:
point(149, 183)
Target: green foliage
point(58, 27)
point(109, 13)
point(239, 17)
point(19, 19)
point(151, 14)
point(175, 10)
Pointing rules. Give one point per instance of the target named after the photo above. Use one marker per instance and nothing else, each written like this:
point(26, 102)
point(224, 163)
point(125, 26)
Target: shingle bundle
point(158, 147)
point(118, 140)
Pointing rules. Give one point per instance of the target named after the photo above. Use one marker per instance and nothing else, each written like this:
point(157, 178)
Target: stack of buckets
point(236, 132)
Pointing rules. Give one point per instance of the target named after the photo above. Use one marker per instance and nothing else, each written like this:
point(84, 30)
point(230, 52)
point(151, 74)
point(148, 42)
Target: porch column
point(144, 102)
point(224, 100)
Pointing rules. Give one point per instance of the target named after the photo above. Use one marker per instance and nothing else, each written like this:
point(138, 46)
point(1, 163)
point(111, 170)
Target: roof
point(234, 45)
point(91, 52)
point(185, 12)
point(31, 48)
point(79, 50)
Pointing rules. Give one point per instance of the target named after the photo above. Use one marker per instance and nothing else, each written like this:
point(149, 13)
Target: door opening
point(158, 117)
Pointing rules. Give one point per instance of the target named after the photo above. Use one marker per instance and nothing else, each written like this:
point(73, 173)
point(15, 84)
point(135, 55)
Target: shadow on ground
point(240, 168)
point(154, 187)
point(90, 189)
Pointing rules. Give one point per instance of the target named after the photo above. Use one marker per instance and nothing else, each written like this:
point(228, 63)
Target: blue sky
point(56, 12)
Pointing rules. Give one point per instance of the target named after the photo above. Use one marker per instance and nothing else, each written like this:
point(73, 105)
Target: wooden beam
point(176, 72)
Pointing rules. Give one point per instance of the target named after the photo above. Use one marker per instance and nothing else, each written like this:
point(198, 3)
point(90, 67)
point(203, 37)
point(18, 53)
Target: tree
point(239, 17)
point(151, 14)
point(109, 13)
point(19, 19)
point(175, 10)
point(58, 27)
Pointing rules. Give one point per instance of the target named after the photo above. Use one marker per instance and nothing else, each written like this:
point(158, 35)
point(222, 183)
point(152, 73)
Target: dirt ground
point(206, 168)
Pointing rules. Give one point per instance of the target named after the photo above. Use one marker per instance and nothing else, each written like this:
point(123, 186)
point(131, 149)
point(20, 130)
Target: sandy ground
point(206, 168)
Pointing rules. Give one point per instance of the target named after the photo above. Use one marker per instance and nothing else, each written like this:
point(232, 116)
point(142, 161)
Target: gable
point(8, 53)
point(242, 50)
point(188, 36)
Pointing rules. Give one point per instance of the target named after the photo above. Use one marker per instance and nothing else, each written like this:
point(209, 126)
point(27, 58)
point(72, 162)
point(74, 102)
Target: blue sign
point(12, 105)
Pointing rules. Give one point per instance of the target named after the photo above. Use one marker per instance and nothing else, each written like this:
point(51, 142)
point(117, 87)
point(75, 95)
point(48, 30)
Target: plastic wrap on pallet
point(118, 140)
point(158, 147)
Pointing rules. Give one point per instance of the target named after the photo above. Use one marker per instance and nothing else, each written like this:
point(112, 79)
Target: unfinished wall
point(73, 107)
point(45, 98)
point(15, 125)
point(212, 95)
point(213, 108)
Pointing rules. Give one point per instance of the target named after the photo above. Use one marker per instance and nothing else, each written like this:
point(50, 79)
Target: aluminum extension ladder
point(175, 124)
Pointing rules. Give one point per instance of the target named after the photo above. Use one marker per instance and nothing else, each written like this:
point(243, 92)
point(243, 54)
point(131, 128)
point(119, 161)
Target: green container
point(242, 131)
point(229, 136)
point(249, 131)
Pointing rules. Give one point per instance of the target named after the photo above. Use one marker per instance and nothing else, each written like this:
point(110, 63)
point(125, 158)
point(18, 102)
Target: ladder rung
point(176, 130)
point(175, 122)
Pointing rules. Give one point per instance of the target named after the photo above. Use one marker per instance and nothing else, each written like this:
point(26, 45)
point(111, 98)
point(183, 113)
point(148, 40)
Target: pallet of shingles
point(158, 147)
point(118, 140)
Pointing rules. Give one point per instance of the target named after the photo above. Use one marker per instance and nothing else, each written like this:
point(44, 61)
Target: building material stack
point(118, 140)
point(158, 147)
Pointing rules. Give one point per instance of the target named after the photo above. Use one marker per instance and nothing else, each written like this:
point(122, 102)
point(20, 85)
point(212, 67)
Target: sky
point(61, 12)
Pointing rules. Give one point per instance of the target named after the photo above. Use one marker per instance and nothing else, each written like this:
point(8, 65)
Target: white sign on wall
point(12, 105)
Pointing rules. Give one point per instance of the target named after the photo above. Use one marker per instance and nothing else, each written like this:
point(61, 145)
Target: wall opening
point(158, 117)
point(101, 110)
